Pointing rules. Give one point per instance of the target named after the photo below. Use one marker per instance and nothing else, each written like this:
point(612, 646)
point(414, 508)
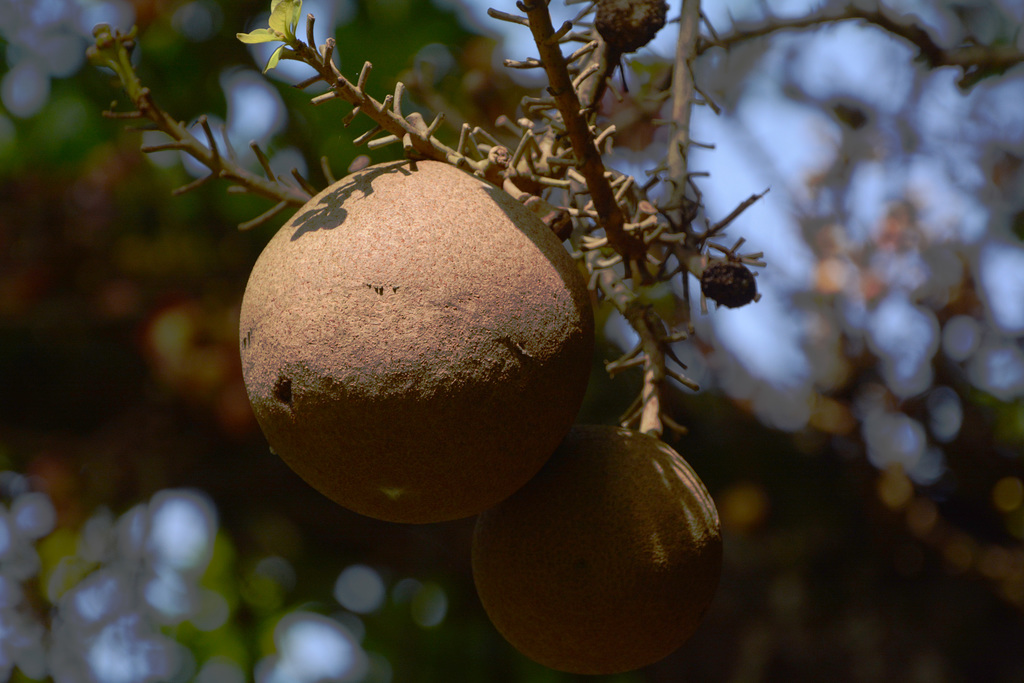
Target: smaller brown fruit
point(606, 560)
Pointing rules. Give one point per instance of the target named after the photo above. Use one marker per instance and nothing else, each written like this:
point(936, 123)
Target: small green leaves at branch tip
point(112, 50)
point(284, 19)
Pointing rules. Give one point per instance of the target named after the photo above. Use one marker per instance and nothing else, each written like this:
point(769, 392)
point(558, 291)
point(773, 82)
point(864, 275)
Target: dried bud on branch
point(729, 284)
point(628, 25)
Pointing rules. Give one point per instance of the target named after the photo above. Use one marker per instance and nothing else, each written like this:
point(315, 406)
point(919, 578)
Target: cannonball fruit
point(606, 560)
point(415, 343)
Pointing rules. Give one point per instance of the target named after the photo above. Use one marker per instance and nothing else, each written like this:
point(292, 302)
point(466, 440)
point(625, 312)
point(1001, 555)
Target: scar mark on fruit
point(394, 493)
point(515, 347)
point(247, 339)
point(283, 390)
point(380, 288)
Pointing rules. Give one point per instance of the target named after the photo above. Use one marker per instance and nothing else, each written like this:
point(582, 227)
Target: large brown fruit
point(607, 560)
point(415, 343)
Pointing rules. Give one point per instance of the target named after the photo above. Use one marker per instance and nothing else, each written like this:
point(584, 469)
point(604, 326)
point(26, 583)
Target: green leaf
point(296, 13)
point(284, 17)
point(274, 59)
point(260, 35)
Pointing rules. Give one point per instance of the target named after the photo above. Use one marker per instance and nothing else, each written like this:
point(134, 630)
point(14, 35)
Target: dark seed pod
point(628, 25)
point(728, 283)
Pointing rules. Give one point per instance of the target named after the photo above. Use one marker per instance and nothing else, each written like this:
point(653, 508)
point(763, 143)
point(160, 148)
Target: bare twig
point(386, 114)
point(733, 215)
point(976, 62)
point(112, 50)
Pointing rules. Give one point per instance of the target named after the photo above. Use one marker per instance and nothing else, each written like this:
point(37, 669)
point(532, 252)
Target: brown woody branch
point(975, 61)
point(684, 90)
point(648, 413)
point(591, 166)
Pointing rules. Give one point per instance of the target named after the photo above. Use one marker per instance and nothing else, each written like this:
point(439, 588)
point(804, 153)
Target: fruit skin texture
point(415, 343)
point(607, 560)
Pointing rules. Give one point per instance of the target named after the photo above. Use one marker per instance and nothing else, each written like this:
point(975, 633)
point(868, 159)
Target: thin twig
point(112, 50)
point(976, 62)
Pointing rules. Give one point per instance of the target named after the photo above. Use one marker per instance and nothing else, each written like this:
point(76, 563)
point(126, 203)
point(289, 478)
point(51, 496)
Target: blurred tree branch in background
point(975, 61)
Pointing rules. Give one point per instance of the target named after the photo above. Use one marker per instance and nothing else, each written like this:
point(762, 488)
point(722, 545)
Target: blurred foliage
point(122, 391)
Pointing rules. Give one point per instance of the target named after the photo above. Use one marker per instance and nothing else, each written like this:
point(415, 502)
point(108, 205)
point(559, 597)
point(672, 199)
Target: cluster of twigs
point(628, 235)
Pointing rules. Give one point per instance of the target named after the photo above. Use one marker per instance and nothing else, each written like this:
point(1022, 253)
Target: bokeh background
point(861, 427)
